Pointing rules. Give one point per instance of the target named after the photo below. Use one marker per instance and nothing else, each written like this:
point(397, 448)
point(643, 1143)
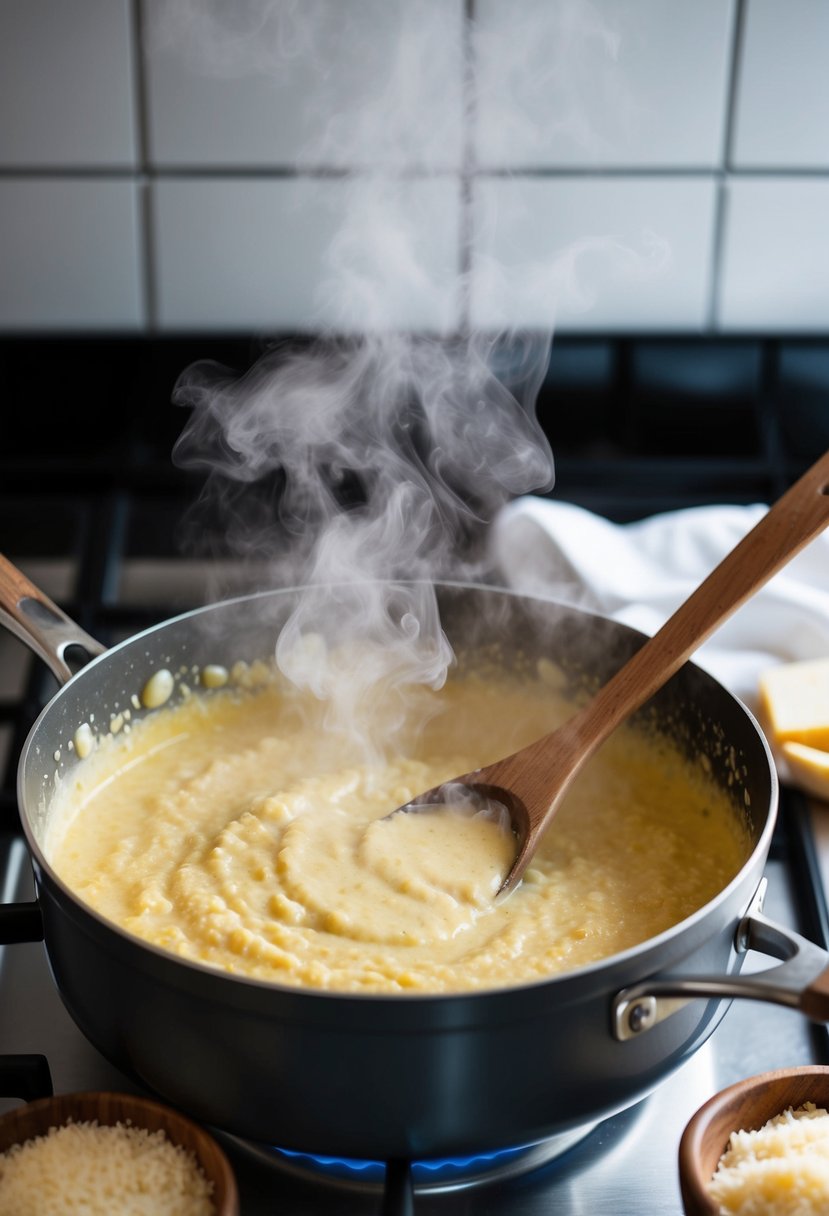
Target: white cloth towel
point(639, 573)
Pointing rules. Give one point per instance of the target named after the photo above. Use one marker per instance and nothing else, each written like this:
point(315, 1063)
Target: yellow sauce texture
point(236, 830)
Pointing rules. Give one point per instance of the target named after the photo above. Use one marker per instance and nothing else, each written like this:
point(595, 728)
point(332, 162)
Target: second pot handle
point(801, 981)
point(39, 622)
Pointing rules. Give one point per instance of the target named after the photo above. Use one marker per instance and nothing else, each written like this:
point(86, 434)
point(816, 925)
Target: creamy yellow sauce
point(236, 830)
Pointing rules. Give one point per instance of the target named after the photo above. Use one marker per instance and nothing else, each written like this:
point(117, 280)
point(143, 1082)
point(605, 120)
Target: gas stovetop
point(91, 509)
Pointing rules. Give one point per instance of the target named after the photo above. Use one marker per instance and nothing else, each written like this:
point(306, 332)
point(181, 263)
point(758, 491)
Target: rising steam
point(382, 458)
point(368, 455)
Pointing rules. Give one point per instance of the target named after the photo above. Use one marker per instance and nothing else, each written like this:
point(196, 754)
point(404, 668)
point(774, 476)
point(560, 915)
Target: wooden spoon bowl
point(35, 1118)
point(745, 1106)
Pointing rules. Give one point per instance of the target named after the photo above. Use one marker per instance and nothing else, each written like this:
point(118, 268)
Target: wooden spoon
point(532, 782)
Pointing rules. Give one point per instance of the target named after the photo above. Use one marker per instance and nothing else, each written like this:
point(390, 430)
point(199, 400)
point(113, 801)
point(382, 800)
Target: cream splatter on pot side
point(158, 689)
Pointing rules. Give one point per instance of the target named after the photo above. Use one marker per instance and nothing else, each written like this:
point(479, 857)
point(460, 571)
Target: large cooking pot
point(416, 1075)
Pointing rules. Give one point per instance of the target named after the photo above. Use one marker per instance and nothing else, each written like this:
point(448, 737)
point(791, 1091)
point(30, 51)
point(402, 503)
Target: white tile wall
point(627, 85)
point(321, 83)
point(66, 84)
point(306, 253)
point(593, 254)
point(776, 260)
point(69, 254)
point(782, 103)
point(398, 142)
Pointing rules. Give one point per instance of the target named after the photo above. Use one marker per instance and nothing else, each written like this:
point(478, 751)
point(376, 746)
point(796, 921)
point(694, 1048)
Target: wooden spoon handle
point(794, 520)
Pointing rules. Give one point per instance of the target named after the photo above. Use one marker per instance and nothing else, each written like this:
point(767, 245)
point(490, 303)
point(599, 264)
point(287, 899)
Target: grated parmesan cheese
point(87, 1169)
point(782, 1169)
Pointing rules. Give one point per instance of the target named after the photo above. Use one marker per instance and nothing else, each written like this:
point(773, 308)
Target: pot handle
point(801, 981)
point(39, 622)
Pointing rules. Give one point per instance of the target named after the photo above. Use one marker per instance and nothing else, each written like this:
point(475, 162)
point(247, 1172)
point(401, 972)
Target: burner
point(435, 1175)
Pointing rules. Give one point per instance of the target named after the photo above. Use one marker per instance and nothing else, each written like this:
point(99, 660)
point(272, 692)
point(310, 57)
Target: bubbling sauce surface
point(236, 830)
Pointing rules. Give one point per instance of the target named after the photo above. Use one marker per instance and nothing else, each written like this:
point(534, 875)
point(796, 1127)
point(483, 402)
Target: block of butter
point(794, 702)
point(808, 768)
point(794, 712)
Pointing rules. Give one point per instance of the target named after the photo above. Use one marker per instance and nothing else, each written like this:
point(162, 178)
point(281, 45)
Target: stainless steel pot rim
point(570, 979)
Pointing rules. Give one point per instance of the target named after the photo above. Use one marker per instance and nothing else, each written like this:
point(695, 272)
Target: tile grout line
point(316, 172)
point(725, 174)
point(729, 131)
point(466, 236)
point(144, 177)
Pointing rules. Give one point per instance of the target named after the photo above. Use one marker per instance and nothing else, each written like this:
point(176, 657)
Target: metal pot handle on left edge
point(801, 981)
point(45, 628)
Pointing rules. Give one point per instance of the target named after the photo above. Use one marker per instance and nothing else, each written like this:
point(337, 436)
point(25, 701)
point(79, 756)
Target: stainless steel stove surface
point(97, 528)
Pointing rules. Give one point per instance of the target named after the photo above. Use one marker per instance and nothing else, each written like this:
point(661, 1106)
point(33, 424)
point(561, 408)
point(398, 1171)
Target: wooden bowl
point(35, 1119)
point(745, 1106)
